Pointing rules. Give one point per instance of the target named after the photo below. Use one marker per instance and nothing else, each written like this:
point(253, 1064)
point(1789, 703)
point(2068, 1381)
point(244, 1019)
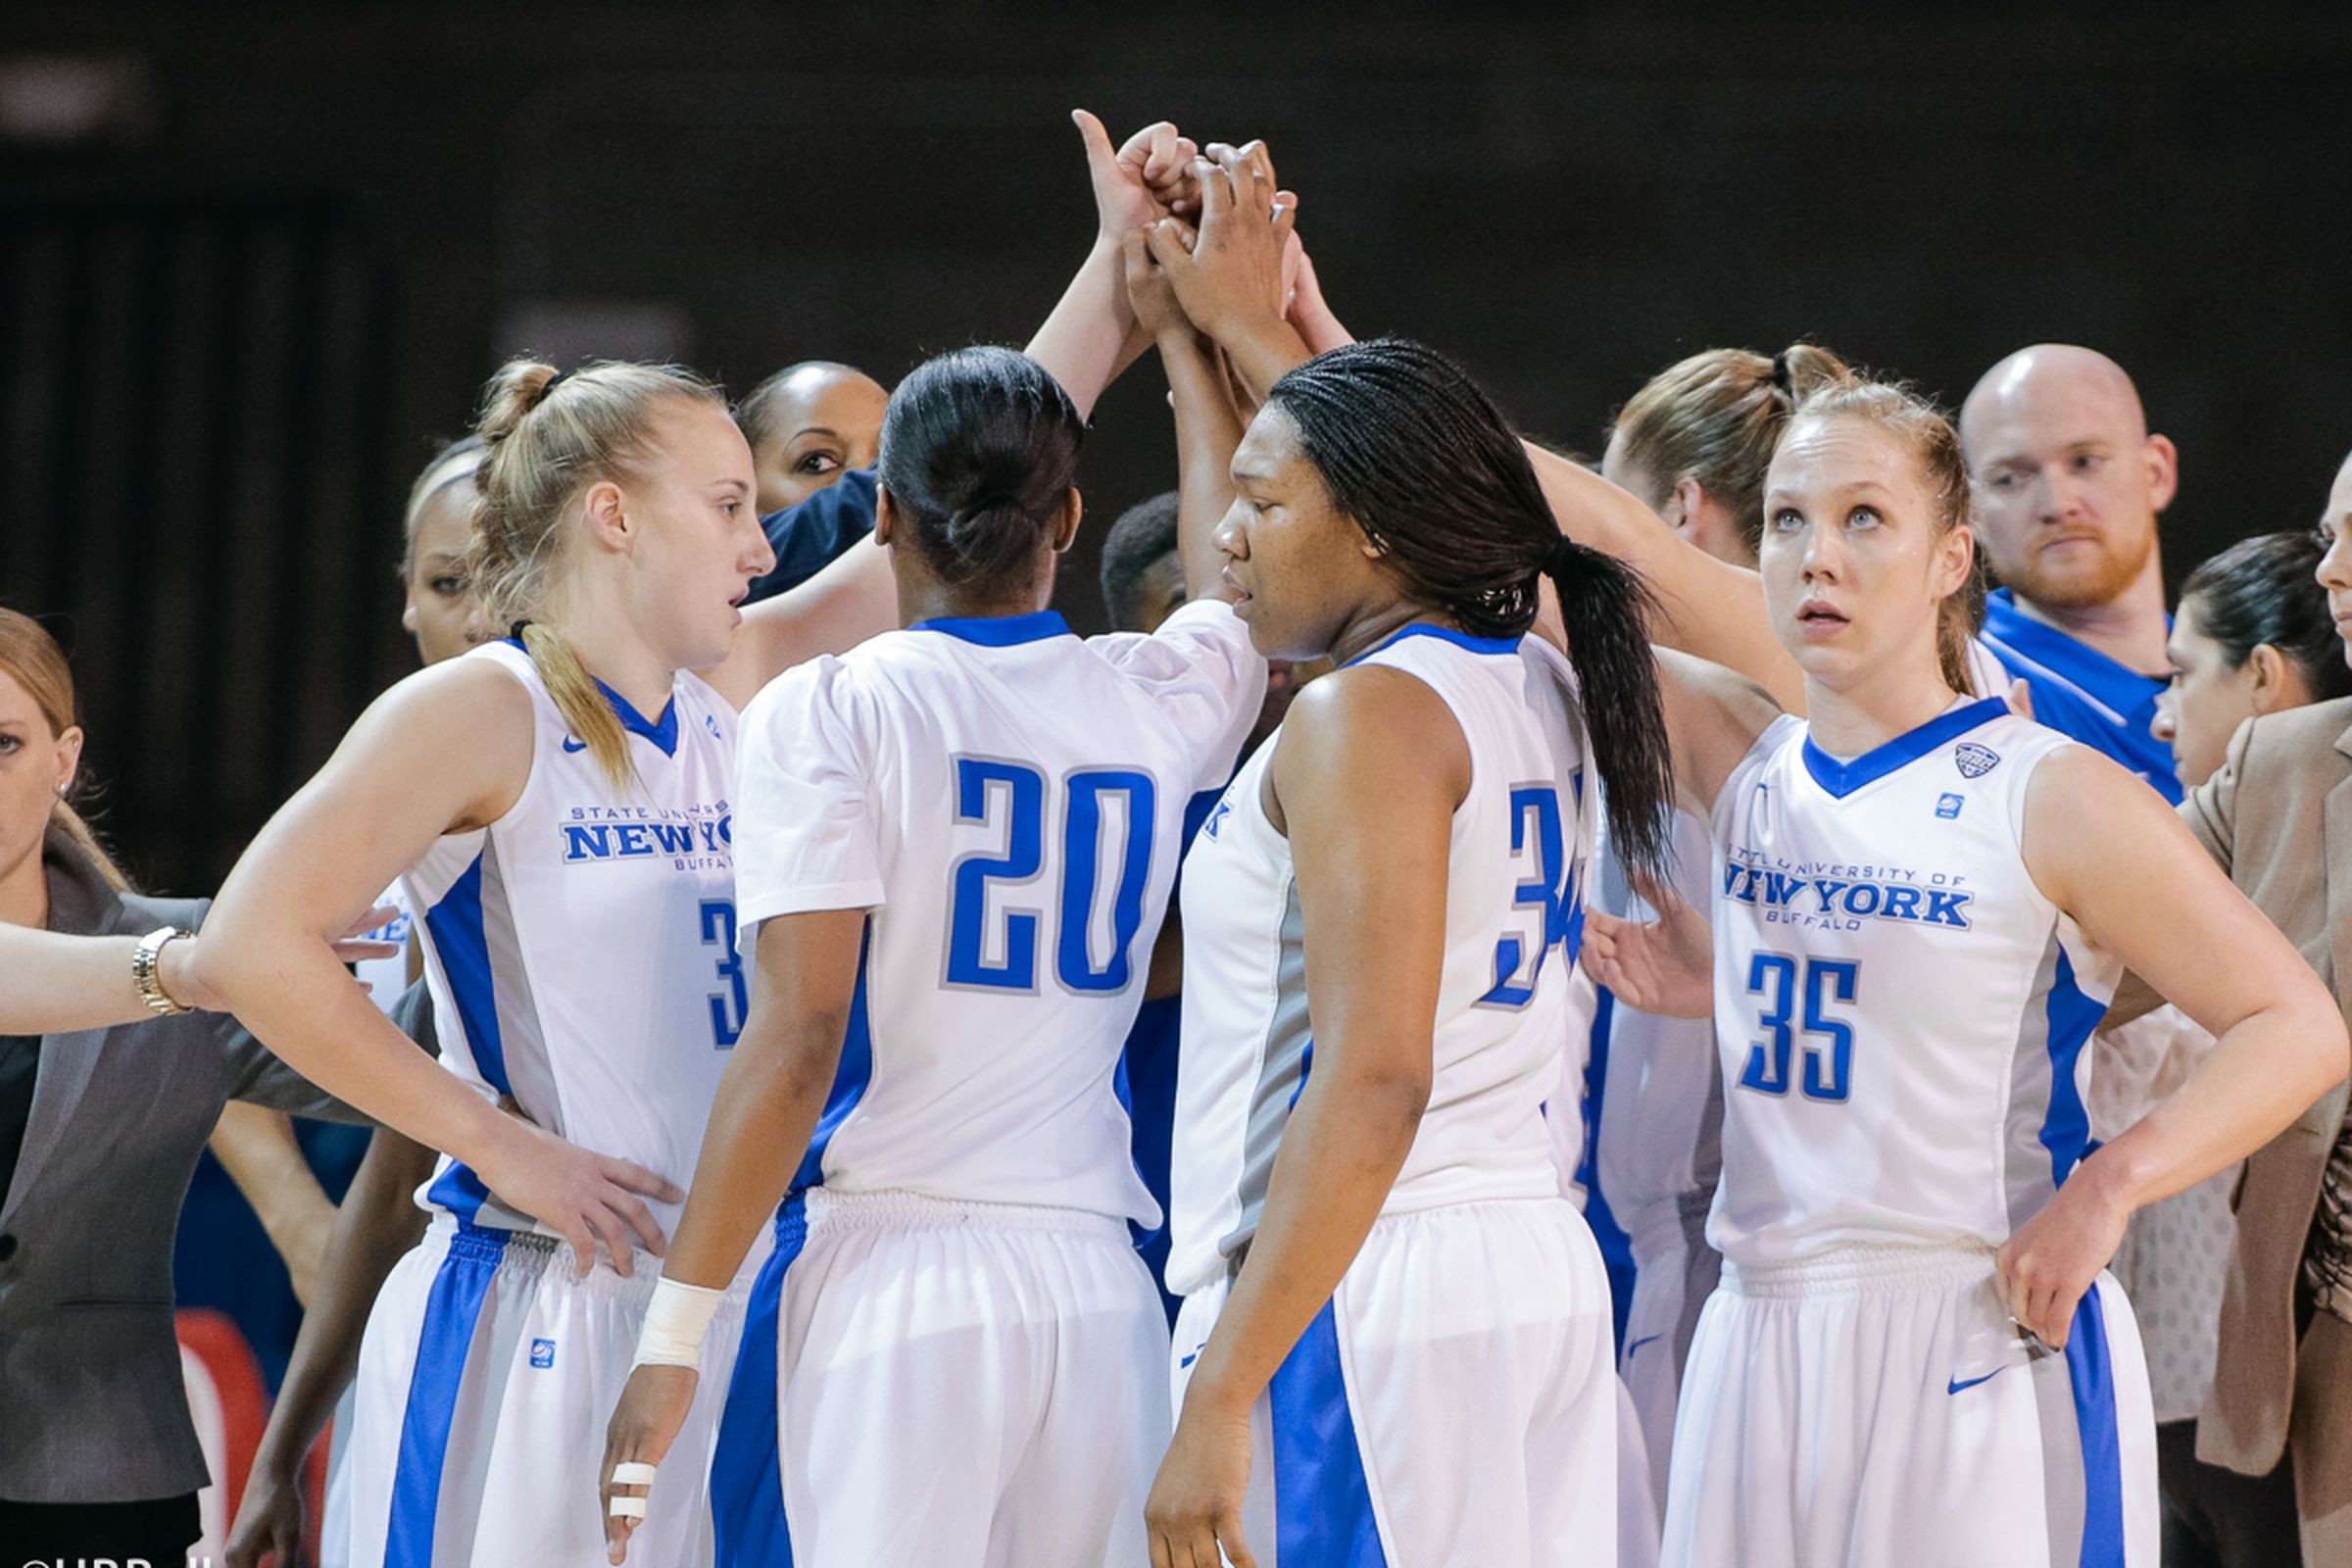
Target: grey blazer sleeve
point(258, 1076)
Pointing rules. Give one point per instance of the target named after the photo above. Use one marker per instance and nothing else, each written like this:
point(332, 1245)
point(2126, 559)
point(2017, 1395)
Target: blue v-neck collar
point(1843, 778)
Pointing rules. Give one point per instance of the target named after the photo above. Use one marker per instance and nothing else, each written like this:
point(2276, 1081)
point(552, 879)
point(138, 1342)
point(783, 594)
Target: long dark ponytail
point(1413, 449)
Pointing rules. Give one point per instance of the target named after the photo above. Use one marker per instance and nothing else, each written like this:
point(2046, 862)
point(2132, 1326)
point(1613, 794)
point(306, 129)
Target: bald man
point(816, 430)
point(2070, 483)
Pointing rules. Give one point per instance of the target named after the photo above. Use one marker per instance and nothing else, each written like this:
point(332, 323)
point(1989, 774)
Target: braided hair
point(1421, 457)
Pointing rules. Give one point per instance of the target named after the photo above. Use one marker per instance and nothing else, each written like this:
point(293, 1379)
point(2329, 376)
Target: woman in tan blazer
point(2279, 819)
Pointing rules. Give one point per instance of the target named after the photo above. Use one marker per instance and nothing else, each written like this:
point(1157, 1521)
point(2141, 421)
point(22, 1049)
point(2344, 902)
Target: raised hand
point(1308, 311)
point(1664, 966)
point(1231, 281)
point(584, 1198)
point(1142, 181)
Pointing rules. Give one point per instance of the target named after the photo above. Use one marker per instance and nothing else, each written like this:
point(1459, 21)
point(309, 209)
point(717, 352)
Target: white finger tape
point(627, 1508)
point(632, 1473)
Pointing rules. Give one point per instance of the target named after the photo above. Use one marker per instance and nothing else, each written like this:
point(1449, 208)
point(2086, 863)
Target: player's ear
point(1065, 528)
point(886, 514)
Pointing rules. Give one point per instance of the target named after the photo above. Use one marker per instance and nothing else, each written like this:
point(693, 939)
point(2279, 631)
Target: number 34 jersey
point(1903, 1017)
point(1008, 801)
point(580, 949)
point(1520, 843)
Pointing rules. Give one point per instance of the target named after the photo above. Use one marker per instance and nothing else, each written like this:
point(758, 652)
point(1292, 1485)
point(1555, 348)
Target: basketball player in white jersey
point(959, 839)
point(1922, 903)
point(1695, 443)
point(562, 803)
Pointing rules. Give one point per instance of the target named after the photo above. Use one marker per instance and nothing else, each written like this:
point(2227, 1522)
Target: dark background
point(255, 260)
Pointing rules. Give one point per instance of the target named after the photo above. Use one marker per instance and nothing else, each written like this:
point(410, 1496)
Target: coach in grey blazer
point(92, 1405)
point(2279, 819)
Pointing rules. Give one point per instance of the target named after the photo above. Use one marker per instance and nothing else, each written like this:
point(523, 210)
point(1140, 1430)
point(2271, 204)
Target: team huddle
point(785, 949)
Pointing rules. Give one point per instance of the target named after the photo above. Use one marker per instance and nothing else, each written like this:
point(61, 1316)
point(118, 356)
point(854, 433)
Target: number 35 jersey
point(1519, 845)
point(1903, 1017)
point(1008, 801)
point(580, 949)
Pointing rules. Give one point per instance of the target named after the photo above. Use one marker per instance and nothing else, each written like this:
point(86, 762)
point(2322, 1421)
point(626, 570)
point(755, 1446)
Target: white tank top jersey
point(1661, 1111)
point(1008, 802)
point(1521, 840)
point(1901, 1014)
point(582, 949)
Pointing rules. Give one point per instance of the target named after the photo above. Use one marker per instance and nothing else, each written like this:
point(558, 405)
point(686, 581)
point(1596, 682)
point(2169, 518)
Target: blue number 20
point(727, 1009)
point(1829, 1069)
point(1014, 793)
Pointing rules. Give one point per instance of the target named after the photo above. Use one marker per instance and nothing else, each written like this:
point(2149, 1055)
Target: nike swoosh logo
point(1957, 1384)
point(1646, 1339)
point(571, 745)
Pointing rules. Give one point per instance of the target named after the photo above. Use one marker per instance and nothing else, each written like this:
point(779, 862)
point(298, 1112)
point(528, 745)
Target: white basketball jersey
point(1902, 1013)
point(1520, 842)
point(1008, 802)
point(582, 949)
point(1661, 1113)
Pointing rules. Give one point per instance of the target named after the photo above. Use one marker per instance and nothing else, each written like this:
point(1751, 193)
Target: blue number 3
point(988, 791)
point(1828, 1071)
point(727, 1008)
point(1552, 895)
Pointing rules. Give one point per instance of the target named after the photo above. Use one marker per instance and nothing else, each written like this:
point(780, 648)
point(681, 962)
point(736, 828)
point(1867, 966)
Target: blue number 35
point(990, 793)
point(1829, 1069)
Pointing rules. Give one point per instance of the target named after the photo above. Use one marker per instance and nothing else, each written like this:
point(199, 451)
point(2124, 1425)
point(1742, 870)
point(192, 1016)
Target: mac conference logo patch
point(1974, 760)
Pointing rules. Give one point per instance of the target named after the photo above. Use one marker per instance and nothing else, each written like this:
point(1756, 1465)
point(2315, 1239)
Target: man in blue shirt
point(2069, 483)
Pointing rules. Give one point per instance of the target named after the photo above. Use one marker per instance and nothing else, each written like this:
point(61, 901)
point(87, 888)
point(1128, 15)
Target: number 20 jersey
point(1008, 802)
point(580, 949)
point(1903, 1018)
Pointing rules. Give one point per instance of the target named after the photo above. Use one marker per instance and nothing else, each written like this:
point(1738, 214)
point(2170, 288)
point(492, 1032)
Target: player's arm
point(2210, 814)
point(377, 1221)
point(1367, 774)
point(1207, 425)
point(447, 749)
point(258, 1149)
point(769, 1099)
point(1088, 339)
point(2107, 850)
point(1714, 610)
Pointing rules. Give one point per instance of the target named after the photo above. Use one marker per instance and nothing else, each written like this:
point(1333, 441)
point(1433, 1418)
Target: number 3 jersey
point(1008, 802)
point(1519, 844)
point(1903, 1017)
point(580, 949)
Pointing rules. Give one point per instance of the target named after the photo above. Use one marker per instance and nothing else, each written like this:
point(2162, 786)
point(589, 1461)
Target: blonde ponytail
point(573, 690)
point(547, 435)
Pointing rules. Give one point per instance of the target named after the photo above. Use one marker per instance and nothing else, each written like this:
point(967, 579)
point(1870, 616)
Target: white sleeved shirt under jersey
point(582, 949)
point(1009, 800)
point(1901, 1014)
point(1520, 843)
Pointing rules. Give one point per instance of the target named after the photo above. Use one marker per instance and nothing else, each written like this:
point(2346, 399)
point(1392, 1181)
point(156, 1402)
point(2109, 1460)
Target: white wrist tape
point(675, 1321)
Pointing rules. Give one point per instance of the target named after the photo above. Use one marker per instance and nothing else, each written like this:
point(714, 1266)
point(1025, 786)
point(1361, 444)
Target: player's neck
point(1894, 700)
point(598, 626)
point(934, 601)
point(1376, 625)
point(2129, 628)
